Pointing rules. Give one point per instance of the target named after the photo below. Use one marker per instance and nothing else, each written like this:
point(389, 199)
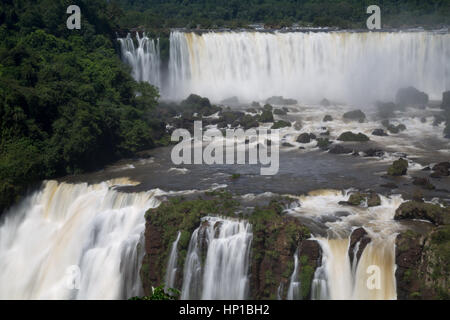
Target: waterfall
point(351, 67)
point(294, 292)
point(217, 261)
point(172, 264)
point(337, 280)
point(74, 241)
point(144, 58)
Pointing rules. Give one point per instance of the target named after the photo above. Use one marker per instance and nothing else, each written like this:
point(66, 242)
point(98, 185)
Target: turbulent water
point(74, 242)
point(143, 57)
point(225, 244)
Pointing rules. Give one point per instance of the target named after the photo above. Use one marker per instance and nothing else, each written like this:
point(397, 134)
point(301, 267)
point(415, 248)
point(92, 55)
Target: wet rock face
point(433, 213)
point(358, 236)
point(411, 97)
point(422, 259)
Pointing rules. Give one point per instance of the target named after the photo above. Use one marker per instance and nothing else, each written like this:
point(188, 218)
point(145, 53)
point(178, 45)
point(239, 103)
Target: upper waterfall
point(349, 67)
point(143, 57)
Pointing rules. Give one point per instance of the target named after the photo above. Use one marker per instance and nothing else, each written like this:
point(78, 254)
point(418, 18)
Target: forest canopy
point(67, 103)
point(281, 13)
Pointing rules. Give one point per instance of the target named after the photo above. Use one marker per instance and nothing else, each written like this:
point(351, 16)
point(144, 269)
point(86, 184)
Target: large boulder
point(441, 170)
point(411, 97)
point(358, 198)
point(423, 182)
point(433, 213)
point(355, 115)
point(386, 109)
point(305, 138)
point(398, 168)
point(350, 136)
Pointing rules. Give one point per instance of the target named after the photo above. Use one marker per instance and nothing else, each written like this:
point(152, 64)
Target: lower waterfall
point(171, 272)
point(217, 261)
point(74, 241)
point(294, 285)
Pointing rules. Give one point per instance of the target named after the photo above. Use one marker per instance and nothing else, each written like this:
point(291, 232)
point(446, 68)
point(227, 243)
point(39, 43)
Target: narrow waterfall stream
point(224, 244)
point(171, 272)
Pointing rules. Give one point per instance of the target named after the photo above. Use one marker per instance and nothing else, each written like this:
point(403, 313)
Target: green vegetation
point(160, 294)
point(159, 14)
point(67, 103)
point(350, 136)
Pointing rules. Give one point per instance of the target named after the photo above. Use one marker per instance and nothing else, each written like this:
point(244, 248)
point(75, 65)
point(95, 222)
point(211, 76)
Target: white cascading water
point(171, 272)
point(143, 57)
point(350, 67)
point(293, 292)
point(224, 274)
point(92, 228)
point(337, 278)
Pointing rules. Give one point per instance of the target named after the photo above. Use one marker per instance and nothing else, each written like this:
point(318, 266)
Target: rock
point(441, 170)
point(278, 100)
point(374, 153)
point(252, 110)
point(339, 149)
point(357, 198)
point(266, 116)
point(379, 132)
point(281, 124)
point(423, 182)
point(327, 118)
point(358, 235)
point(350, 136)
point(304, 138)
point(355, 115)
point(446, 100)
point(423, 211)
point(279, 112)
point(268, 107)
point(323, 143)
point(325, 103)
point(247, 121)
point(373, 200)
point(398, 168)
point(396, 129)
point(411, 97)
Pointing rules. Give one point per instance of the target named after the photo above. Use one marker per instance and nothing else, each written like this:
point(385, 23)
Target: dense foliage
point(281, 13)
point(67, 103)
